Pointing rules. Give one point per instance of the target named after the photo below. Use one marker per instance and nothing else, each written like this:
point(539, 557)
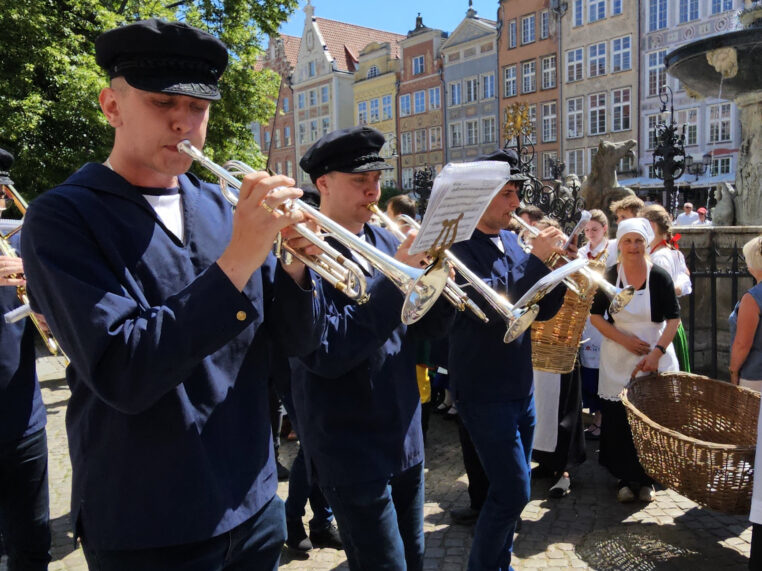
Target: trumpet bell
point(424, 291)
point(525, 318)
point(621, 299)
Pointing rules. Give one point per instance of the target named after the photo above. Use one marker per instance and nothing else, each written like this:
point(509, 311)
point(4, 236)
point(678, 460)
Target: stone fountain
point(729, 66)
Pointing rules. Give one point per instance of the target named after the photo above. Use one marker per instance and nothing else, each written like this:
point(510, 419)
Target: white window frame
point(419, 102)
point(435, 99)
point(596, 59)
point(455, 134)
point(509, 81)
point(549, 122)
point(387, 111)
point(435, 138)
point(488, 130)
point(406, 143)
point(621, 54)
point(596, 10)
point(575, 162)
point(575, 117)
point(421, 138)
point(621, 109)
point(488, 86)
point(544, 24)
point(529, 76)
point(512, 34)
point(688, 11)
point(454, 93)
point(362, 112)
point(689, 118)
point(549, 72)
point(578, 13)
point(405, 109)
point(528, 29)
point(575, 62)
point(596, 113)
point(657, 15)
point(720, 126)
point(472, 132)
point(419, 65)
point(471, 90)
point(656, 73)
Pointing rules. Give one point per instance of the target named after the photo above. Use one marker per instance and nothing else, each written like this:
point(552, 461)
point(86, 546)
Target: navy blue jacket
point(356, 396)
point(482, 367)
point(168, 419)
point(22, 412)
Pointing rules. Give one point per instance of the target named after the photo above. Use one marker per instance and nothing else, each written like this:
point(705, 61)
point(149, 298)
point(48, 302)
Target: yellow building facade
point(375, 100)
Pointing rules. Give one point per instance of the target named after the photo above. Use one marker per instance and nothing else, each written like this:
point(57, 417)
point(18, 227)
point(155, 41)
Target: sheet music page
point(546, 284)
point(459, 197)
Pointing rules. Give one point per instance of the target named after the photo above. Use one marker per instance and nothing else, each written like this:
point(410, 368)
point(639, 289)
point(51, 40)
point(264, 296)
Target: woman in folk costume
point(664, 253)
point(596, 249)
point(636, 340)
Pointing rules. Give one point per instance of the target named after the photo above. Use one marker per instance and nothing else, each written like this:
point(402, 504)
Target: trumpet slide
point(618, 297)
point(421, 288)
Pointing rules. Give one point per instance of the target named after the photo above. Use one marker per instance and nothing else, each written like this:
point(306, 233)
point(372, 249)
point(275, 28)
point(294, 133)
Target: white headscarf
point(638, 226)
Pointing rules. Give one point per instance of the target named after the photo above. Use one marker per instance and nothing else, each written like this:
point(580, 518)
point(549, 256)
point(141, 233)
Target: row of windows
point(598, 61)
point(374, 110)
point(719, 120)
point(276, 139)
point(687, 11)
point(472, 132)
point(597, 10)
point(529, 76)
point(598, 113)
point(418, 100)
point(310, 98)
point(471, 90)
point(311, 131)
point(529, 30)
point(421, 140)
point(289, 168)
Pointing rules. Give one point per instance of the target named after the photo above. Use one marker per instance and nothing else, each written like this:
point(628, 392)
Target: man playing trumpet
point(356, 396)
point(164, 302)
point(492, 380)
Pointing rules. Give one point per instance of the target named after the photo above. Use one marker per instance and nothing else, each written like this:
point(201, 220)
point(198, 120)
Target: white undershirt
point(169, 208)
point(498, 242)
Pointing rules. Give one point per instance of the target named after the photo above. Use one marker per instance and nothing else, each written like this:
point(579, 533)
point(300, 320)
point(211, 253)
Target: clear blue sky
point(391, 15)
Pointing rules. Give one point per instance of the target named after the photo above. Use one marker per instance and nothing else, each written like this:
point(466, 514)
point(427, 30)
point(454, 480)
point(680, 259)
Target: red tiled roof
point(345, 41)
point(291, 45)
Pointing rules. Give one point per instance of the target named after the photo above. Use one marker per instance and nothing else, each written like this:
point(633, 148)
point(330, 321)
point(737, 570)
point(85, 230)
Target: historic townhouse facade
point(420, 101)
point(528, 64)
point(324, 76)
point(375, 99)
point(712, 126)
point(469, 57)
point(600, 55)
point(276, 138)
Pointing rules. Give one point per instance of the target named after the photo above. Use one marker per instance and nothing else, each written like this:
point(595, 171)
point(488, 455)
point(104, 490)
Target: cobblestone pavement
point(587, 529)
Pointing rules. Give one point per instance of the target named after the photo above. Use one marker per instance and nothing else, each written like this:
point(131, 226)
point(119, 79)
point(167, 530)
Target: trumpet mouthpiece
point(185, 146)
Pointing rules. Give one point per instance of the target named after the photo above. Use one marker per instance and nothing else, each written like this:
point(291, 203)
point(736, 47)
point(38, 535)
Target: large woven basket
point(697, 436)
point(555, 343)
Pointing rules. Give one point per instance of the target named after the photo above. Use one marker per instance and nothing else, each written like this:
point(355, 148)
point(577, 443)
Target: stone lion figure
point(724, 211)
point(601, 187)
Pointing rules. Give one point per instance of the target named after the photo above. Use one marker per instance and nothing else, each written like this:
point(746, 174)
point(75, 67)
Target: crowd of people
point(184, 333)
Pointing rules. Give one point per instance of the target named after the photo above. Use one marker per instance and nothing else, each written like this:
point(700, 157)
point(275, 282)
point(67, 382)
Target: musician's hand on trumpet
point(257, 221)
point(548, 242)
point(11, 271)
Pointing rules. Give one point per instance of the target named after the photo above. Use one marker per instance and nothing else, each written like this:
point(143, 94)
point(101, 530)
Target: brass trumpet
point(421, 288)
point(517, 319)
point(454, 294)
point(24, 310)
point(619, 297)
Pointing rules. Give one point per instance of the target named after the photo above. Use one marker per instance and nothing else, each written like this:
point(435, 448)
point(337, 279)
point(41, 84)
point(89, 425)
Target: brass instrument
point(25, 310)
point(517, 319)
point(454, 294)
point(421, 288)
point(619, 297)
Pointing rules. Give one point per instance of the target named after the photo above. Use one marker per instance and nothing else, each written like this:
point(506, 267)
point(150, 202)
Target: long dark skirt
point(570, 446)
point(617, 451)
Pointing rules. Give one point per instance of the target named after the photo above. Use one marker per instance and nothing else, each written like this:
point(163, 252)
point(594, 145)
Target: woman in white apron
point(636, 341)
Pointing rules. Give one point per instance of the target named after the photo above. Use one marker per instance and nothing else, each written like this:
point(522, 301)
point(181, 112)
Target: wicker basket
point(555, 343)
point(697, 436)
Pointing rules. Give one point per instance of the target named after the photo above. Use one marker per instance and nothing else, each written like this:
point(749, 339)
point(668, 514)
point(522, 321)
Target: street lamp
point(698, 168)
point(423, 181)
point(669, 155)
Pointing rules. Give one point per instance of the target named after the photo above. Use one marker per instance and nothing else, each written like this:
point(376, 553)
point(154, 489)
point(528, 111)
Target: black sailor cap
point(351, 150)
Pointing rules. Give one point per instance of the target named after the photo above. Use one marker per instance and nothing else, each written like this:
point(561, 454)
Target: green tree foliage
point(49, 83)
